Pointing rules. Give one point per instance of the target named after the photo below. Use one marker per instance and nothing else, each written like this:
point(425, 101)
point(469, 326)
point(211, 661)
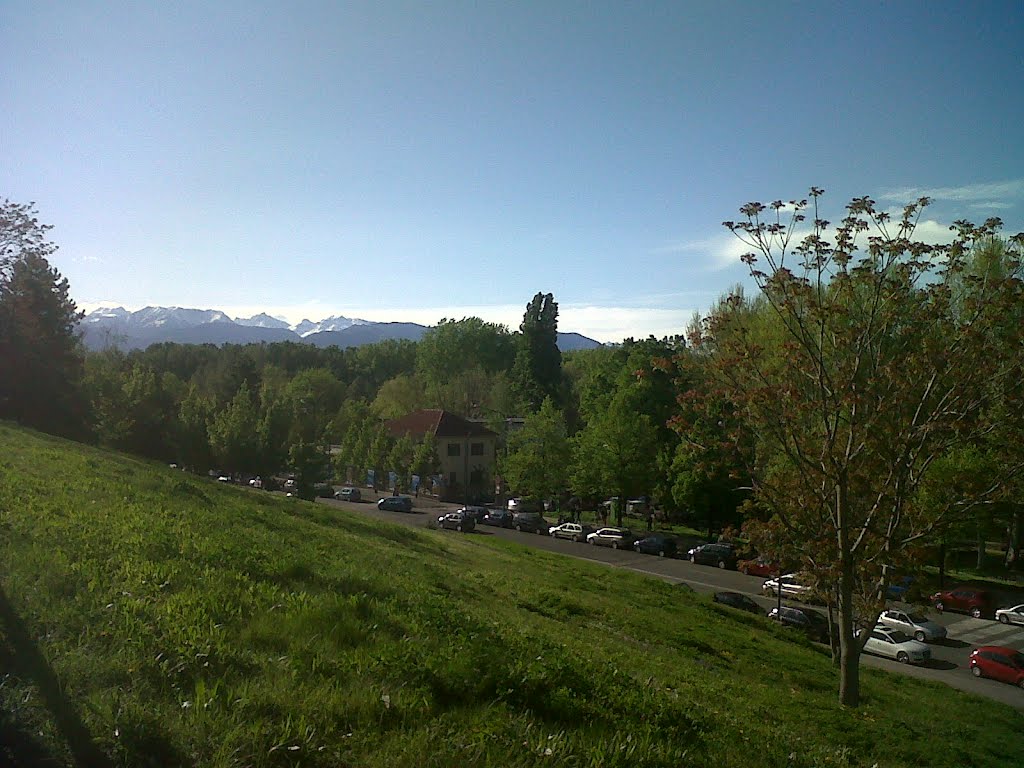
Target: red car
point(999, 663)
point(758, 567)
point(976, 602)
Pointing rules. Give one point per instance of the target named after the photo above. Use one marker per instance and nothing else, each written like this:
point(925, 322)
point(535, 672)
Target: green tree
point(41, 378)
point(615, 454)
point(538, 364)
point(454, 346)
point(400, 460)
point(426, 463)
point(868, 373)
point(234, 434)
point(192, 437)
point(398, 396)
point(539, 455)
point(309, 463)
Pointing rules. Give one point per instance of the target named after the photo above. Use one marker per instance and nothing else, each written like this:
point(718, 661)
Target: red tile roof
point(440, 423)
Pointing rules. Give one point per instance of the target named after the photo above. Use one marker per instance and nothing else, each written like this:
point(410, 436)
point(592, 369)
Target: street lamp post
point(465, 476)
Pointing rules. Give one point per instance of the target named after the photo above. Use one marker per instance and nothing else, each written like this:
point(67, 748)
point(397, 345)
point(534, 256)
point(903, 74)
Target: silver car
point(1014, 615)
point(894, 644)
point(616, 538)
point(913, 624)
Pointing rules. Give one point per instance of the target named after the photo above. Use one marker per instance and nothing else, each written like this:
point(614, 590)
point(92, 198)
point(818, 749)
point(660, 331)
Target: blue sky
point(413, 161)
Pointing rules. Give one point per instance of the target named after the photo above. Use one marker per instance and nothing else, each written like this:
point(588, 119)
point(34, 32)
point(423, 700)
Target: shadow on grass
point(24, 659)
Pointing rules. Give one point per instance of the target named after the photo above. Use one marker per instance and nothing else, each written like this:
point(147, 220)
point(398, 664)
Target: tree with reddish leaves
point(866, 358)
point(42, 362)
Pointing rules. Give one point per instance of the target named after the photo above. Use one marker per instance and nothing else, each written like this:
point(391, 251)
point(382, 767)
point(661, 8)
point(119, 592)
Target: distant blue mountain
point(117, 327)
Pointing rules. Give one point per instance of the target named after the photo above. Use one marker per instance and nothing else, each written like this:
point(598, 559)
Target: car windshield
point(917, 618)
point(899, 637)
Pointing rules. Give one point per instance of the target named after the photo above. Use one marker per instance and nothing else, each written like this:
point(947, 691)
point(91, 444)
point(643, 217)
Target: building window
point(476, 449)
point(476, 477)
point(454, 449)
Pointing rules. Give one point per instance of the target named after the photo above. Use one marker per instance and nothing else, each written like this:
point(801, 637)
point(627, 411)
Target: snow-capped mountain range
point(180, 317)
point(119, 327)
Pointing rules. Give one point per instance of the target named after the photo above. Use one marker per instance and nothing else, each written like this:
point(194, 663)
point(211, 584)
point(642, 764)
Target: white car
point(1013, 615)
point(792, 586)
point(573, 531)
point(895, 644)
point(913, 624)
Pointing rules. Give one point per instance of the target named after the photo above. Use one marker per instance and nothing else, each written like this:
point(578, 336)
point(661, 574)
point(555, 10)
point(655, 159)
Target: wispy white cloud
point(995, 190)
point(990, 205)
point(713, 253)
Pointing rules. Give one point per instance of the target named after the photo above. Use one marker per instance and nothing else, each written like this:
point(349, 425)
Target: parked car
point(722, 555)
point(478, 513)
point(757, 567)
point(523, 505)
point(457, 521)
point(395, 504)
point(999, 663)
point(616, 538)
point(1014, 615)
point(737, 600)
point(792, 585)
point(808, 621)
point(348, 493)
point(656, 544)
point(323, 490)
point(530, 522)
point(223, 479)
point(896, 644)
point(256, 482)
point(501, 518)
point(913, 624)
point(572, 531)
point(972, 600)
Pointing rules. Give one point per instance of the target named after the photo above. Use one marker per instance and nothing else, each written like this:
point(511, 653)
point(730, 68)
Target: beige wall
point(458, 464)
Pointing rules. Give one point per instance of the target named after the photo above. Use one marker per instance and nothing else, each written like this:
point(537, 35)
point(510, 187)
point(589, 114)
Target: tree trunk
point(1013, 555)
point(981, 547)
point(942, 564)
point(849, 648)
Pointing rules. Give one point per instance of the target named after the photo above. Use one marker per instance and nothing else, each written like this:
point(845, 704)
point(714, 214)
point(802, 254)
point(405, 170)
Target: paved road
point(949, 662)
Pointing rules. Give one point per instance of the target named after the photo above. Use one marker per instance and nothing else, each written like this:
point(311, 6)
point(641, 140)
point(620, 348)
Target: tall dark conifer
point(41, 361)
point(538, 367)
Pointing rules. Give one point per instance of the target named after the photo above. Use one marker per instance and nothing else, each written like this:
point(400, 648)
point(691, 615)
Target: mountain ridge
point(118, 327)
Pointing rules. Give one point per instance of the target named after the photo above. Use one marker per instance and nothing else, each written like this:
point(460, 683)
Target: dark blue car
point(656, 544)
point(500, 517)
point(395, 503)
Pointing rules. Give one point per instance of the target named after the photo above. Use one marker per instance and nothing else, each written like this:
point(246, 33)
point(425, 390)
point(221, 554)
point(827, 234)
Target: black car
point(807, 620)
point(456, 521)
point(477, 513)
point(722, 555)
point(737, 600)
point(395, 503)
point(530, 522)
point(499, 517)
point(656, 544)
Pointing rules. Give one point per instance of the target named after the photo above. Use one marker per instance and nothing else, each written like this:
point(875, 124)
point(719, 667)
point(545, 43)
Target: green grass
point(160, 619)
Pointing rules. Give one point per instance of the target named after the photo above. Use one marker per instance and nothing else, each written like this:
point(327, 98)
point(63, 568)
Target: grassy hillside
point(152, 618)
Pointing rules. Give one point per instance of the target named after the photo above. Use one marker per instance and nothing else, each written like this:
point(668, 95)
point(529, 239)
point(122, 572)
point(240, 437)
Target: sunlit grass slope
point(161, 619)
